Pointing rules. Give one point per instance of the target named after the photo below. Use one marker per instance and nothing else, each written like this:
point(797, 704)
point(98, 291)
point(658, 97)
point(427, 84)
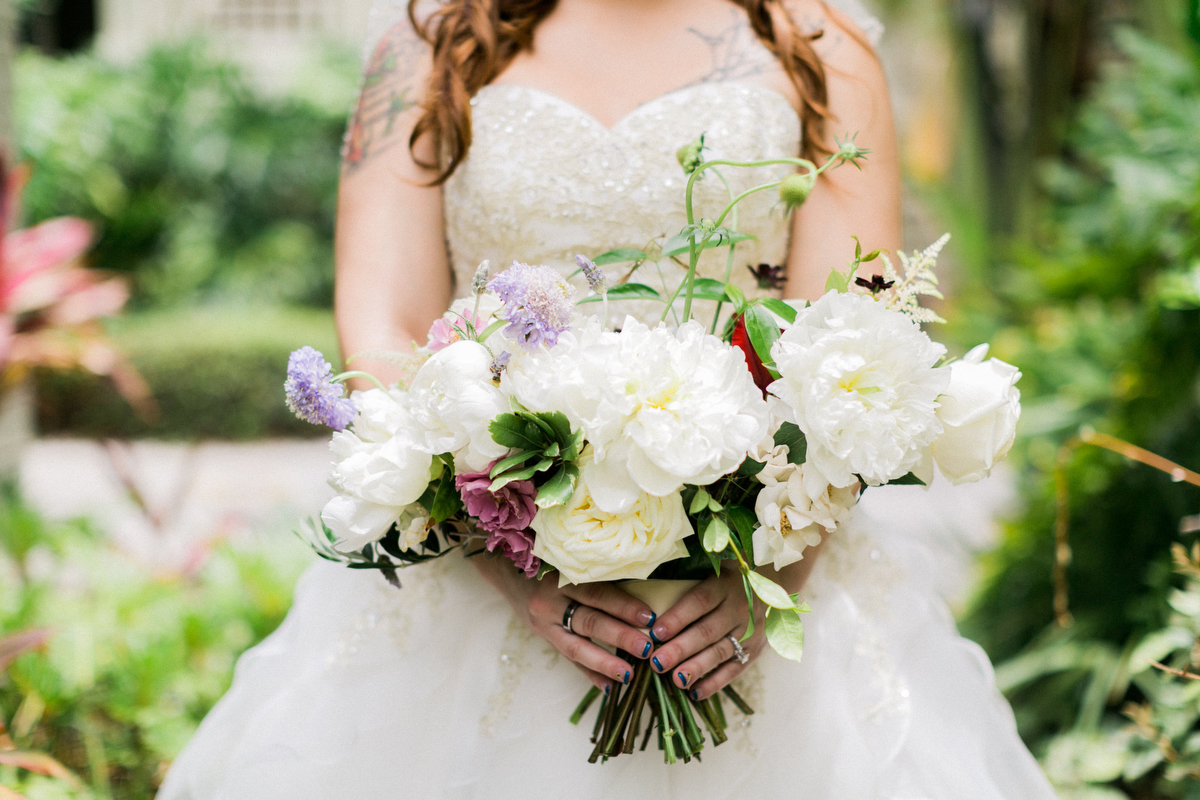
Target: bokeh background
point(150, 476)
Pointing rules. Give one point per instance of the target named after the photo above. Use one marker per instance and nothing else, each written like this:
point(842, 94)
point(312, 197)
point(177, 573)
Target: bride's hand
point(697, 651)
point(606, 614)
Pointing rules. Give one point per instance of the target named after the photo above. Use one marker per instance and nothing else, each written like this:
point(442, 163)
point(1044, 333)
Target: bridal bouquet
point(646, 452)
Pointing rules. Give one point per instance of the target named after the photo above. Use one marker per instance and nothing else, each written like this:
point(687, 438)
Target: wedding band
point(739, 652)
point(572, 607)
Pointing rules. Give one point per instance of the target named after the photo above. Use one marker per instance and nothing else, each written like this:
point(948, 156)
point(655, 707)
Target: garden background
point(144, 546)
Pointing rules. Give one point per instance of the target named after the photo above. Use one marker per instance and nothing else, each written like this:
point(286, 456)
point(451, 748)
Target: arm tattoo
point(387, 91)
point(736, 52)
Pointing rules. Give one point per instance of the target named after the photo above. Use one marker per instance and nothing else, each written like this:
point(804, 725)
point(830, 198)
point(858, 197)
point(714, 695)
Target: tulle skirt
point(438, 691)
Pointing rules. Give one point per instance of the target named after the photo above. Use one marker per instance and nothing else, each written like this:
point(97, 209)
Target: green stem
point(742, 705)
point(584, 705)
point(729, 259)
point(358, 373)
point(664, 721)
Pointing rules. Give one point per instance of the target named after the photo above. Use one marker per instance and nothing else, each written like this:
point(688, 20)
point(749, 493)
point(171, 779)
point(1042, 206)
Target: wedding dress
point(437, 690)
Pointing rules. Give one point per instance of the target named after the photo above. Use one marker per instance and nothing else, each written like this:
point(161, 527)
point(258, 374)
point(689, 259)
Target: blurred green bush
point(215, 372)
point(135, 659)
point(1100, 308)
point(200, 187)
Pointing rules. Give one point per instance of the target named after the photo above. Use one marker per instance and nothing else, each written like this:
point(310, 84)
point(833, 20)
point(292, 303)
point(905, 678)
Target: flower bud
point(689, 156)
point(480, 281)
point(795, 189)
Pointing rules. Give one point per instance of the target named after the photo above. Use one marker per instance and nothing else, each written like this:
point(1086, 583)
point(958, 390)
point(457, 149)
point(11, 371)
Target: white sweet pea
point(453, 400)
point(979, 412)
point(378, 471)
point(663, 407)
point(792, 514)
point(861, 382)
point(589, 544)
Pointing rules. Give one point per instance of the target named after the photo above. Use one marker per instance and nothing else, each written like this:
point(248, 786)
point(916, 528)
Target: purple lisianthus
point(537, 303)
point(505, 514)
point(312, 395)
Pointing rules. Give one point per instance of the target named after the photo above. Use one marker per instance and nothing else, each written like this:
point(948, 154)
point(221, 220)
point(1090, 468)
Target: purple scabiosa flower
point(537, 303)
point(311, 393)
point(499, 363)
point(595, 275)
point(504, 514)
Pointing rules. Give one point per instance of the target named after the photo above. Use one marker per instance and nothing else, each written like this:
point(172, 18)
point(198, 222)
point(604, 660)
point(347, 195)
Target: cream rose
point(792, 513)
point(979, 412)
point(587, 544)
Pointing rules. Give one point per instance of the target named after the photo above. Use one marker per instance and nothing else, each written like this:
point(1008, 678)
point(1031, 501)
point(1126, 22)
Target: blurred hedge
point(201, 188)
point(215, 373)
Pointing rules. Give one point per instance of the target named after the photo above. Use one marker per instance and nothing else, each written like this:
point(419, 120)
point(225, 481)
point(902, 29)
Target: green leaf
point(750, 468)
point(779, 307)
point(620, 256)
point(509, 430)
point(716, 535)
point(744, 522)
point(512, 461)
point(699, 501)
point(490, 329)
point(785, 633)
point(836, 282)
point(626, 291)
point(750, 604)
point(791, 435)
point(680, 242)
point(763, 331)
point(907, 480)
point(709, 289)
point(737, 297)
point(559, 488)
point(446, 501)
point(770, 592)
point(561, 425)
point(520, 474)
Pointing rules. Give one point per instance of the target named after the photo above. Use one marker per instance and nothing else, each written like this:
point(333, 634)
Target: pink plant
point(505, 514)
point(51, 305)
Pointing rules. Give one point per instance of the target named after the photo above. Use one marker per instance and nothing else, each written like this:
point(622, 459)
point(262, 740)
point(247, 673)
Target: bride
point(538, 129)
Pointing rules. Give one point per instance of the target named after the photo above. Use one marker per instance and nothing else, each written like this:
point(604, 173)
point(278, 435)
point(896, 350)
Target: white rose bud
point(792, 514)
point(979, 413)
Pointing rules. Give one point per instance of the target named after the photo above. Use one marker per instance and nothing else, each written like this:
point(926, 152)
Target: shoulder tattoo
point(387, 91)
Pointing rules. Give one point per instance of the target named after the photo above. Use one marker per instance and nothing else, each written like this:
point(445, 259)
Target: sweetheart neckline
point(642, 107)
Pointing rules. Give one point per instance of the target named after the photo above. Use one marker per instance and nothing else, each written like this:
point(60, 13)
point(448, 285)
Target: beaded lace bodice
point(544, 180)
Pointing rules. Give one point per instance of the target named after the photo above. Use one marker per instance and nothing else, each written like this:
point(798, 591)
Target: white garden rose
point(663, 407)
point(861, 382)
point(979, 413)
point(378, 471)
point(792, 513)
point(589, 544)
point(453, 399)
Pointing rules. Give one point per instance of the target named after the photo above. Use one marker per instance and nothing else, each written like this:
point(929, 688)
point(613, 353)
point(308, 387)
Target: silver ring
point(739, 652)
point(572, 607)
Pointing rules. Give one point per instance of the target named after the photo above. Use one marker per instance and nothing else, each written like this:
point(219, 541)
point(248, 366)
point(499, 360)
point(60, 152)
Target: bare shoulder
point(392, 84)
point(842, 46)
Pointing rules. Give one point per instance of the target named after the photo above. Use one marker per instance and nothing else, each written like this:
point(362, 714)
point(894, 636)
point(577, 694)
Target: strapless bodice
point(544, 180)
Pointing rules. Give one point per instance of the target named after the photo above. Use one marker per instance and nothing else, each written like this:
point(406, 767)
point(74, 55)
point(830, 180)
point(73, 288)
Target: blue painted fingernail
point(696, 694)
point(607, 688)
point(657, 664)
point(682, 678)
point(653, 617)
point(654, 638)
point(646, 649)
point(626, 677)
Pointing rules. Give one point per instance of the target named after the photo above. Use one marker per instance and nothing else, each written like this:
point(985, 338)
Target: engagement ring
point(739, 652)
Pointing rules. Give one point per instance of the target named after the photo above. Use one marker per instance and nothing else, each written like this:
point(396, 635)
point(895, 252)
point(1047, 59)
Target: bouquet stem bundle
point(672, 713)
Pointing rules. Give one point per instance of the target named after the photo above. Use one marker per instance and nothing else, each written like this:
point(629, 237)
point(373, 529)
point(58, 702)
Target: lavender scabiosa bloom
point(499, 363)
point(537, 303)
point(595, 275)
point(312, 394)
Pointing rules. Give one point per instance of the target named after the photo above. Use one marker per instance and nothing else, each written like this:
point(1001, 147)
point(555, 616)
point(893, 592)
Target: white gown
point(438, 691)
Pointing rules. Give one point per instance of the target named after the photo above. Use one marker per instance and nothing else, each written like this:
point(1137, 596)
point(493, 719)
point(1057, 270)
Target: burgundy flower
point(741, 340)
point(505, 514)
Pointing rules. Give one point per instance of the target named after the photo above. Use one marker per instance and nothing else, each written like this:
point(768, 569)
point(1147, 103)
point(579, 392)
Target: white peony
point(378, 471)
point(862, 384)
point(979, 413)
point(453, 399)
point(663, 407)
point(589, 544)
point(792, 513)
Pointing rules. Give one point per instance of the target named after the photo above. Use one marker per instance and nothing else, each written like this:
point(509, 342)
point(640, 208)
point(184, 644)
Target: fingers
point(707, 660)
point(706, 632)
point(592, 623)
point(615, 602)
point(595, 678)
point(589, 655)
point(702, 599)
point(717, 680)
